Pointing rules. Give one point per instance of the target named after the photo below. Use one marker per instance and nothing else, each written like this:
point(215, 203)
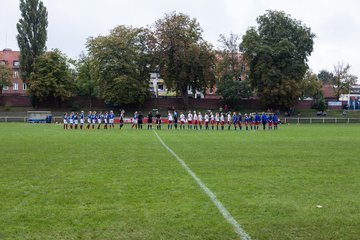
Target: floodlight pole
point(349, 99)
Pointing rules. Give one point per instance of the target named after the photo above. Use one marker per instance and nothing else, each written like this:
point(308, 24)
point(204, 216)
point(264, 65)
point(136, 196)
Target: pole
point(349, 99)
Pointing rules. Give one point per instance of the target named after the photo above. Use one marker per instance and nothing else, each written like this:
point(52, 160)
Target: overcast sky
point(335, 23)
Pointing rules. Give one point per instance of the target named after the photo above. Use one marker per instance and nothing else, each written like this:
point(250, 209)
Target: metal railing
point(317, 120)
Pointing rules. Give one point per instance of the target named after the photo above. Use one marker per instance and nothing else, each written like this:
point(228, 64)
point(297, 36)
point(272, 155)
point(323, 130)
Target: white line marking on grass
point(238, 229)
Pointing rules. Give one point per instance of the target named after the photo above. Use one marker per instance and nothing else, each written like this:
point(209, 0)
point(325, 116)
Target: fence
point(323, 120)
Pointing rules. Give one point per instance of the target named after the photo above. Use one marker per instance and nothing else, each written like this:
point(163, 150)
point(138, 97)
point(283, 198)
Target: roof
point(328, 91)
point(9, 56)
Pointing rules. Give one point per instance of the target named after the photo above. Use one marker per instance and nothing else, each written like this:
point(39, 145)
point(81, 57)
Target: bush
point(320, 104)
point(7, 107)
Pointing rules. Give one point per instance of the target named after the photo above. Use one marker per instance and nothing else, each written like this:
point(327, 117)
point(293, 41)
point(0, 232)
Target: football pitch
point(300, 182)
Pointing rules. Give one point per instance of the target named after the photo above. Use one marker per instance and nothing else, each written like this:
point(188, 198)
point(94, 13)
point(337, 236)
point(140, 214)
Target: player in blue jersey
point(65, 118)
point(251, 121)
point(275, 121)
point(234, 120)
point(239, 120)
point(93, 119)
point(82, 117)
point(264, 120)
point(71, 119)
point(88, 120)
point(246, 121)
point(99, 119)
point(106, 116)
point(270, 121)
point(76, 120)
point(111, 118)
point(257, 120)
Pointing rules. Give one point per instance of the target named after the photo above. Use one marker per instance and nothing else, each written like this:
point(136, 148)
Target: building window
point(16, 86)
point(243, 67)
point(5, 88)
point(24, 86)
point(16, 64)
point(15, 74)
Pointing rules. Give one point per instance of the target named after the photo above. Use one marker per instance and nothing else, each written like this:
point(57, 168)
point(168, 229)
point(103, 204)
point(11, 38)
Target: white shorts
point(111, 120)
point(81, 121)
point(76, 122)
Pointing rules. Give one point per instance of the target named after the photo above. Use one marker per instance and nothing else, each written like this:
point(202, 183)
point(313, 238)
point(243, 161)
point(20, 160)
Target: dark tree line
point(269, 61)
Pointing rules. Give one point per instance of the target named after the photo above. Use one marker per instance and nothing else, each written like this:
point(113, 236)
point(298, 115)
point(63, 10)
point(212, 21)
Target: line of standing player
point(193, 120)
point(93, 119)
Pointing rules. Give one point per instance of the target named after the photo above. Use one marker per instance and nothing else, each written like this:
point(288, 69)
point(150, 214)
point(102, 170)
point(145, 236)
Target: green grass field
point(113, 184)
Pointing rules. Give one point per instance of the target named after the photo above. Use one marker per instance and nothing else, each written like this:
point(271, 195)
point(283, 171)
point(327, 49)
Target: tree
point(326, 77)
point(122, 60)
point(311, 86)
point(51, 78)
point(32, 35)
point(230, 69)
point(185, 59)
point(5, 77)
point(343, 80)
point(277, 52)
point(87, 80)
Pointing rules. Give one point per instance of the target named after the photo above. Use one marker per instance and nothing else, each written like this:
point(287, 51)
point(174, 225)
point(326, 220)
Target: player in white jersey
point(135, 120)
point(170, 120)
point(212, 120)
point(207, 118)
point(195, 117)
point(217, 120)
point(222, 121)
point(200, 120)
point(182, 121)
point(190, 119)
point(229, 118)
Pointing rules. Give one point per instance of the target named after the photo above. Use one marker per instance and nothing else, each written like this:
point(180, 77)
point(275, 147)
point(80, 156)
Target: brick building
point(10, 59)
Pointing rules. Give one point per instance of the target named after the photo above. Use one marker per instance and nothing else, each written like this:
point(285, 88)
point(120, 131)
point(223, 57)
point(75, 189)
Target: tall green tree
point(231, 71)
point(311, 86)
point(185, 58)
point(52, 78)
point(5, 77)
point(32, 35)
point(343, 80)
point(87, 79)
point(326, 77)
point(277, 51)
point(122, 60)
